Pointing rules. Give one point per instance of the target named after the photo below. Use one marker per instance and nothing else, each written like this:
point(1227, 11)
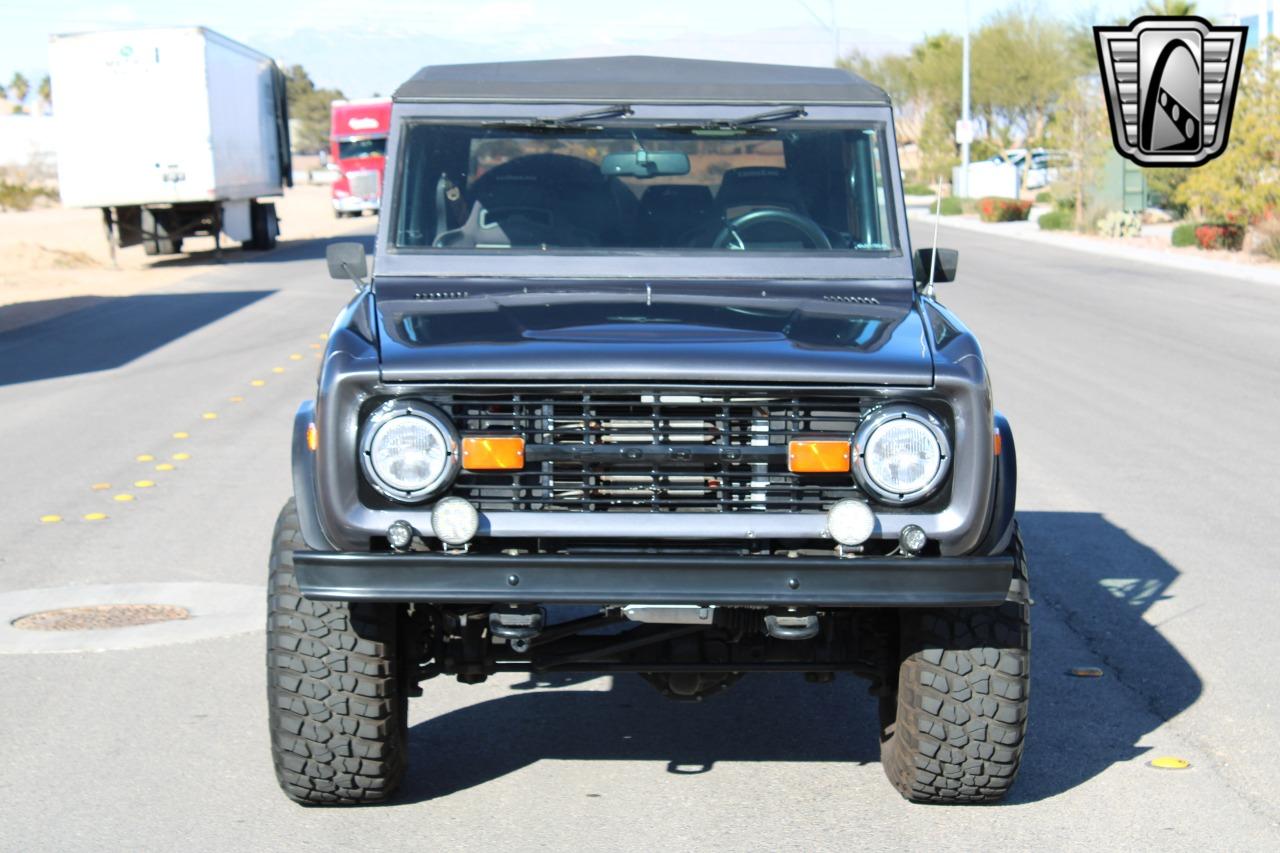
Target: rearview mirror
point(645, 164)
point(346, 261)
point(944, 265)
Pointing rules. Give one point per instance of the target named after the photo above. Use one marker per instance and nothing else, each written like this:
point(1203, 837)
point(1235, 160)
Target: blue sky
point(368, 46)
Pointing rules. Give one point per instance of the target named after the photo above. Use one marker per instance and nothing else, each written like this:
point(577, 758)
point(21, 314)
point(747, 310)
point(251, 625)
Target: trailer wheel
point(155, 235)
point(264, 225)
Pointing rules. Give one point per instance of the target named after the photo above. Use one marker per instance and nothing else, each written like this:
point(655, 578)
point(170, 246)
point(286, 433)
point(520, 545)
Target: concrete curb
point(1030, 233)
point(217, 610)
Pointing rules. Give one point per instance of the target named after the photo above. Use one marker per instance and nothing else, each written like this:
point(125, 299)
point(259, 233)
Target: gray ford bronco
point(647, 380)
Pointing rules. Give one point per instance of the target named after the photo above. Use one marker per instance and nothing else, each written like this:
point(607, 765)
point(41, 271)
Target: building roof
point(638, 79)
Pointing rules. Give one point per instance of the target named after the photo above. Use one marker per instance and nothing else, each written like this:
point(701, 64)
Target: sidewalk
point(1030, 232)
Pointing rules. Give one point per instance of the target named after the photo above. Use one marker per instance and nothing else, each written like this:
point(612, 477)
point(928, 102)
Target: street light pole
point(964, 111)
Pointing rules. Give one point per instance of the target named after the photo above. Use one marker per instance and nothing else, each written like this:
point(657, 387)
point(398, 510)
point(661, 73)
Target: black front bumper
point(657, 579)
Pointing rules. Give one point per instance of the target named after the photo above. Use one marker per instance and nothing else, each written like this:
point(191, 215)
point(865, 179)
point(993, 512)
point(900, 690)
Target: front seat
point(671, 213)
point(752, 187)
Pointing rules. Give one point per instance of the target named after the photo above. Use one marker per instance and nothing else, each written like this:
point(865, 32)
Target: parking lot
point(1144, 405)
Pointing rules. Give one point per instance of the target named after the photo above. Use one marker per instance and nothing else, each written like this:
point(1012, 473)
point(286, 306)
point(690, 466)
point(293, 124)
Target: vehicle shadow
point(1091, 581)
point(101, 333)
point(286, 251)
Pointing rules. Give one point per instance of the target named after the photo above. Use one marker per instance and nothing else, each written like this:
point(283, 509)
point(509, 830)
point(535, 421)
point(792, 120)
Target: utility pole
point(1264, 27)
point(966, 135)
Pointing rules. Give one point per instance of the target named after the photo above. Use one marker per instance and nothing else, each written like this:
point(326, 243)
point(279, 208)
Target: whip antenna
point(933, 253)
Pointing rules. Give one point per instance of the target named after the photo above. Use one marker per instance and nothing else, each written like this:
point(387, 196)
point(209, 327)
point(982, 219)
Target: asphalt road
point(1145, 408)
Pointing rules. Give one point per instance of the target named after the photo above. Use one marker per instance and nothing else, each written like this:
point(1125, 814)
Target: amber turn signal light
point(492, 452)
point(818, 457)
point(313, 437)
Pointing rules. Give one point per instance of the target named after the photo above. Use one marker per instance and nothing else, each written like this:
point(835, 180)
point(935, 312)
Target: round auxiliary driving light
point(454, 521)
point(912, 539)
point(850, 522)
point(400, 535)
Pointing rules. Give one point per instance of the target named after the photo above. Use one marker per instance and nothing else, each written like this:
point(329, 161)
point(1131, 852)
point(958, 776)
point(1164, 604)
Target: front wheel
point(955, 728)
point(337, 704)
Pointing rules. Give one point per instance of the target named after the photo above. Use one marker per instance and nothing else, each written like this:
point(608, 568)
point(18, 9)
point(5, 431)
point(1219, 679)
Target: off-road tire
point(961, 703)
point(337, 706)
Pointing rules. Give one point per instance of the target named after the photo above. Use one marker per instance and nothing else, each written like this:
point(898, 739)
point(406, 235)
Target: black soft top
point(639, 79)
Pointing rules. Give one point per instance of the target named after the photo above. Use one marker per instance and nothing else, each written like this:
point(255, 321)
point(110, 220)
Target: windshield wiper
point(749, 124)
point(545, 123)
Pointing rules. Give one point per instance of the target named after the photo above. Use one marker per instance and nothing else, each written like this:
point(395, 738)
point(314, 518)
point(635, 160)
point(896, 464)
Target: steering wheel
point(731, 238)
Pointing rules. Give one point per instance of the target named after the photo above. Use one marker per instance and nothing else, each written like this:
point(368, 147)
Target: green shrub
point(918, 189)
point(1184, 234)
point(993, 209)
point(1119, 223)
point(1056, 220)
point(18, 196)
point(951, 206)
point(1044, 197)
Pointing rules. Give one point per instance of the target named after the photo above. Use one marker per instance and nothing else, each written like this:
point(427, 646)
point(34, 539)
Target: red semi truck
point(357, 151)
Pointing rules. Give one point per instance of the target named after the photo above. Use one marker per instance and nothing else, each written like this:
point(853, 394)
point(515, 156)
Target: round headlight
point(409, 450)
point(903, 453)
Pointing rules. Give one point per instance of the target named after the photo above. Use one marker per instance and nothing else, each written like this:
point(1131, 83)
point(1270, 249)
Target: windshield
point(363, 147)
point(790, 188)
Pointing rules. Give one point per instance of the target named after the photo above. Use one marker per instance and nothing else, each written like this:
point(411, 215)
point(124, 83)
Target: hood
point(764, 333)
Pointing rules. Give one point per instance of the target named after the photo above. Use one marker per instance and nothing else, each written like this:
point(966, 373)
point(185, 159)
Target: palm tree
point(45, 90)
point(19, 88)
point(1168, 8)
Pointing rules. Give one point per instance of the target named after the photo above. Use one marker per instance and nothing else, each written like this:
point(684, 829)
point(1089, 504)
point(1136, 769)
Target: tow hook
point(518, 625)
point(791, 624)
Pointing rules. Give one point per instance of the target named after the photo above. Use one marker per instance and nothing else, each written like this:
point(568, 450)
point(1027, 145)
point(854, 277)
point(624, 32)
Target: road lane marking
point(94, 516)
point(123, 497)
point(236, 399)
point(1169, 762)
point(277, 370)
point(180, 456)
point(258, 383)
point(50, 519)
point(181, 435)
point(297, 356)
point(210, 416)
point(98, 487)
point(144, 457)
point(143, 484)
point(164, 466)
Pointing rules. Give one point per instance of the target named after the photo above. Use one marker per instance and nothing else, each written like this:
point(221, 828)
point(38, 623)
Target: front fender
point(1005, 493)
point(304, 480)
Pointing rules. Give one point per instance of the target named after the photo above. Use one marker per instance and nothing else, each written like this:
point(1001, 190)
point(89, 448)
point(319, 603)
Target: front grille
point(363, 183)
point(657, 452)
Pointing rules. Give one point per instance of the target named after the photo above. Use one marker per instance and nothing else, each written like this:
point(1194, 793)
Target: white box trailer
point(172, 133)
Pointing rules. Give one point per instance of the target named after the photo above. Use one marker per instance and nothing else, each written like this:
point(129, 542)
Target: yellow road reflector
point(144, 457)
point(324, 336)
point(98, 487)
point(164, 466)
point(1086, 672)
point(181, 435)
point(94, 516)
point(1169, 762)
point(123, 497)
point(258, 383)
point(317, 346)
point(50, 519)
point(180, 456)
point(143, 484)
point(295, 356)
point(236, 399)
point(210, 416)
point(277, 370)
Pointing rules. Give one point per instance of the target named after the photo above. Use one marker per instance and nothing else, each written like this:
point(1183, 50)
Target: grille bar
point(665, 452)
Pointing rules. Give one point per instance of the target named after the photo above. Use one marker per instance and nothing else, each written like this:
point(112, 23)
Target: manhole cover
point(100, 617)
